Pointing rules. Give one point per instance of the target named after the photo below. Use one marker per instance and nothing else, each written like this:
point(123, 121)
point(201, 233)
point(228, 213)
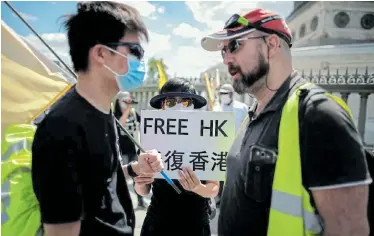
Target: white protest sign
point(198, 139)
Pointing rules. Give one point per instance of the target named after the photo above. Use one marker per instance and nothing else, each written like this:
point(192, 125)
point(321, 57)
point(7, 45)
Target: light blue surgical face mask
point(135, 75)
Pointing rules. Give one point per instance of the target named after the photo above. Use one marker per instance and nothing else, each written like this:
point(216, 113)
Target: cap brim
point(225, 91)
point(214, 42)
point(199, 101)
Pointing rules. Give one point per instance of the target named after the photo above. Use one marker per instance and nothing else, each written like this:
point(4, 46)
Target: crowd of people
point(297, 165)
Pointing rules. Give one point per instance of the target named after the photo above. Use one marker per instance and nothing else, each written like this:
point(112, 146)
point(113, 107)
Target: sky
point(175, 28)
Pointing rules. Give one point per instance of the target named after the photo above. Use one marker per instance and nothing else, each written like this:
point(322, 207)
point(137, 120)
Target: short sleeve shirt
point(332, 155)
point(76, 172)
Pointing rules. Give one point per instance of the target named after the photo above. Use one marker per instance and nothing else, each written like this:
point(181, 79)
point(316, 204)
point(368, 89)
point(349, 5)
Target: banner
point(197, 139)
point(30, 82)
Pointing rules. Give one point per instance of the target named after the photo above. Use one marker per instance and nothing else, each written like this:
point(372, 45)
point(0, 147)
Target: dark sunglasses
point(134, 48)
point(170, 102)
point(234, 45)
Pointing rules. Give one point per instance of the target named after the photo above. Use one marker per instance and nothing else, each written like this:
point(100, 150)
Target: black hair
point(178, 85)
point(100, 22)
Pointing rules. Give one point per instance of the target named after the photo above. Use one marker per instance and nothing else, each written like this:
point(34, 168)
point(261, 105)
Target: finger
point(184, 184)
point(157, 166)
point(146, 175)
point(194, 178)
point(153, 156)
point(188, 178)
point(182, 180)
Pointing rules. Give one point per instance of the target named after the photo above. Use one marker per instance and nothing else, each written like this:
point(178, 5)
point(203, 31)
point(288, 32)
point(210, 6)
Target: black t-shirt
point(76, 172)
point(187, 211)
point(331, 149)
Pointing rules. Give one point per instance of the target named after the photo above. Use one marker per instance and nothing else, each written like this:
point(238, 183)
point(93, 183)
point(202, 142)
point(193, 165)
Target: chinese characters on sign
point(199, 160)
point(197, 139)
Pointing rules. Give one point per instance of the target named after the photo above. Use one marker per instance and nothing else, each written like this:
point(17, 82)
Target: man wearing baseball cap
point(297, 166)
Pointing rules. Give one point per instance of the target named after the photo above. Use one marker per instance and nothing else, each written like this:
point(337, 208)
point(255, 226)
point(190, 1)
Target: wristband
point(131, 171)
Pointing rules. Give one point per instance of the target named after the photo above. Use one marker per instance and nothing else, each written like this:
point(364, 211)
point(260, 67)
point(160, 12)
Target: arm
point(334, 167)
point(55, 179)
point(143, 190)
point(344, 210)
point(125, 115)
point(191, 182)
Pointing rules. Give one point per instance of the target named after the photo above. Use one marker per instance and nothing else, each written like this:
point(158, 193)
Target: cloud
point(27, 17)
point(161, 10)
point(214, 15)
point(187, 31)
point(145, 9)
point(158, 44)
point(57, 41)
point(191, 61)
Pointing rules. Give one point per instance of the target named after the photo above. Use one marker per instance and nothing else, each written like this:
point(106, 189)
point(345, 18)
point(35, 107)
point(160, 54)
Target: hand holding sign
point(188, 179)
point(150, 162)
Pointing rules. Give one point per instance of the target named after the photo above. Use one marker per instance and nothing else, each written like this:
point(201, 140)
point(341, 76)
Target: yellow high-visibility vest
point(291, 212)
point(20, 214)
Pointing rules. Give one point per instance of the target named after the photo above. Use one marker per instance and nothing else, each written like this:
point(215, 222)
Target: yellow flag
point(209, 89)
point(30, 82)
point(162, 75)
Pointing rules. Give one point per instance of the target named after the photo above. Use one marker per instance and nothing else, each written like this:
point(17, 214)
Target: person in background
point(130, 120)
point(77, 177)
point(169, 213)
point(228, 103)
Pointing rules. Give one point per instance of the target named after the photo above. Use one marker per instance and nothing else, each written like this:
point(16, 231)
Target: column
point(345, 97)
point(362, 113)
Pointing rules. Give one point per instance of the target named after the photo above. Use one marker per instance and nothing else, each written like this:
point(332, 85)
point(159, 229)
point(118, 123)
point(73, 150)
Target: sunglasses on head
point(170, 102)
point(237, 20)
point(134, 48)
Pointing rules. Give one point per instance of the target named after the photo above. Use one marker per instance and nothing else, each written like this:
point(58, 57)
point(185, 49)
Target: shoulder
point(322, 108)
point(330, 144)
point(58, 126)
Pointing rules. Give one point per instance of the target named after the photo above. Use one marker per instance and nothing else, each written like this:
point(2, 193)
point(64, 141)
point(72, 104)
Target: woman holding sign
point(170, 213)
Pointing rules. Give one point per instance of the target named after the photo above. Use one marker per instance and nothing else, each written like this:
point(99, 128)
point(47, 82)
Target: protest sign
point(198, 139)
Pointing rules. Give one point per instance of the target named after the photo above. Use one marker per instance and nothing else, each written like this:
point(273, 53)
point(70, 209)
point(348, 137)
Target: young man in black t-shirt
point(256, 48)
point(76, 173)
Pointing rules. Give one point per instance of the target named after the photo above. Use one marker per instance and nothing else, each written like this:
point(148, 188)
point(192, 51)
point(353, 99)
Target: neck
point(266, 87)
point(97, 91)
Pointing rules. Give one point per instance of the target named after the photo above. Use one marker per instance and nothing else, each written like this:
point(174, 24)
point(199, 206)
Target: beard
point(244, 83)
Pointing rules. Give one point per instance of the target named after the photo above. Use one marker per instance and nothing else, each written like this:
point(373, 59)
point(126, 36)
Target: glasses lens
point(223, 53)
point(137, 51)
point(170, 102)
point(232, 22)
point(186, 102)
point(233, 46)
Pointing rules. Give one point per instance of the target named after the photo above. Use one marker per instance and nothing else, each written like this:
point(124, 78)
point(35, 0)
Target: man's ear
point(273, 43)
point(98, 54)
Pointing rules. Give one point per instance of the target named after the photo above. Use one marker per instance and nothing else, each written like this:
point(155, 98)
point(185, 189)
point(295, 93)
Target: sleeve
point(332, 151)
point(55, 153)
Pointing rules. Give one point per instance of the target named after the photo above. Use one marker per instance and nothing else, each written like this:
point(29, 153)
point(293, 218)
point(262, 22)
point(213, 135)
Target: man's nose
point(228, 58)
